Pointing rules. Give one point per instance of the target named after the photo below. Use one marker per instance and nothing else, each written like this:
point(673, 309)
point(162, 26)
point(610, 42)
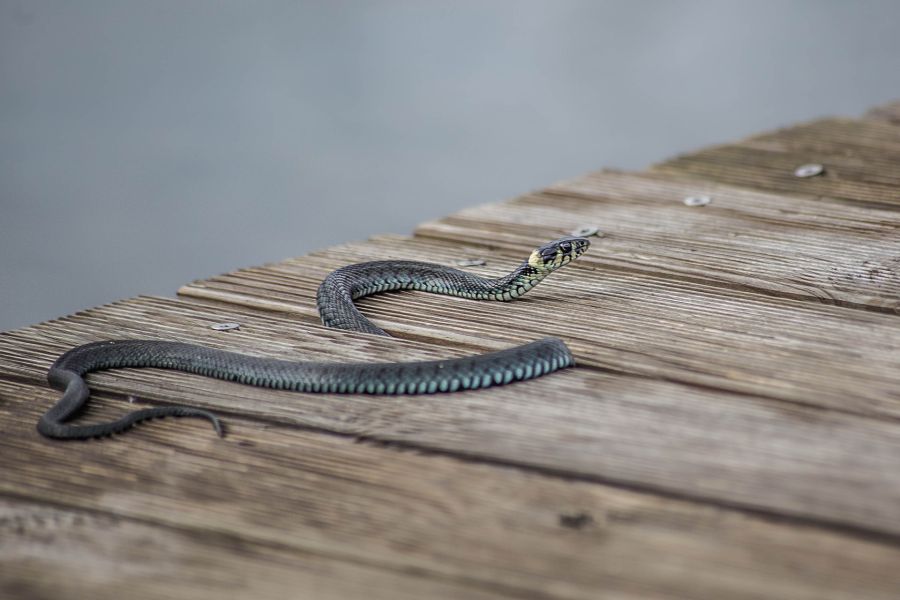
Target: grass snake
point(335, 303)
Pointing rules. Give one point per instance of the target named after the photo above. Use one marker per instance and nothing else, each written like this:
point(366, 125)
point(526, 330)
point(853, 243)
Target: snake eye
point(565, 247)
point(548, 254)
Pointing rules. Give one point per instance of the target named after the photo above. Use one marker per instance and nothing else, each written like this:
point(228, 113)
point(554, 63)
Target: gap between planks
point(790, 247)
point(496, 530)
point(704, 445)
point(631, 323)
point(136, 557)
point(859, 155)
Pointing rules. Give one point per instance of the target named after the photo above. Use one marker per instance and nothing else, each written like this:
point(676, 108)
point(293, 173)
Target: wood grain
point(478, 529)
point(860, 157)
point(835, 469)
point(49, 551)
point(626, 322)
point(732, 429)
point(790, 247)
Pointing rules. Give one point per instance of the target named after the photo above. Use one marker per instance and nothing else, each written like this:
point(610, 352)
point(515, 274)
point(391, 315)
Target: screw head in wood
point(225, 326)
point(810, 170)
point(697, 200)
point(470, 262)
point(586, 231)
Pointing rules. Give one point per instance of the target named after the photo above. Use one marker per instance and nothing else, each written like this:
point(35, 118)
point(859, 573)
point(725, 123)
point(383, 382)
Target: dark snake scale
point(335, 303)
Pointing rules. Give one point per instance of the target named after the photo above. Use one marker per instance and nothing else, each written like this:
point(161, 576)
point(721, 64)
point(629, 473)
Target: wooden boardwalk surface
point(732, 429)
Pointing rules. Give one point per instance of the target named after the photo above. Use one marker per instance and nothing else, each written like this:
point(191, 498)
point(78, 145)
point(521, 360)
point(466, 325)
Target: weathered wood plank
point(792, 247)
point(496, 531)
point(55, 552)
point(727, 435)
point(627, 322)
point(679, 440)
point(860, 157)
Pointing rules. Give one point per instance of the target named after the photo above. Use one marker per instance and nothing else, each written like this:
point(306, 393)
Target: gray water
point(147, 144)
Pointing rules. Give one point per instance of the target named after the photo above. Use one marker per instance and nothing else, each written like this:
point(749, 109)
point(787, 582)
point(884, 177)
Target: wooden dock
point(732, 429)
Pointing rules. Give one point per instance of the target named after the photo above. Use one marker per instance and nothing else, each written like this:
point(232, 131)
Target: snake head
point(557, 253)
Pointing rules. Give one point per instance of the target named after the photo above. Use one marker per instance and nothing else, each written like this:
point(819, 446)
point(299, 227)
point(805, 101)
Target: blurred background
point(147, 144)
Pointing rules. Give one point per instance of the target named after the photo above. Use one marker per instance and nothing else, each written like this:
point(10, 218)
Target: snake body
point(335, 302)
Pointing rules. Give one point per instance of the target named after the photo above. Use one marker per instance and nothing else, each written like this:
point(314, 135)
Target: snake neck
point(438, 279)
point(516, 284)
point(343, 286)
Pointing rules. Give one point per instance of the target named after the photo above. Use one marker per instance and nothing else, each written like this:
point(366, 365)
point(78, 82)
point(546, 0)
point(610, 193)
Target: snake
point(335, 301)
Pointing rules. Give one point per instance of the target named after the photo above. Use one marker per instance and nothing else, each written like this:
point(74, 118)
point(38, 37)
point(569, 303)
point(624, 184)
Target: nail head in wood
point(586, 231)
point(471, 262)
point(810, 170)
point(697, 200)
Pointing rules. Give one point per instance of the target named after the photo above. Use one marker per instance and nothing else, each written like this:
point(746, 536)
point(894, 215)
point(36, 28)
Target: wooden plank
point(727, 434)
point(860, 157)
point(886, 112)
point(790, 247)
point(494, 531)
point(820, 466)
point(633, 323)
point(55, 552)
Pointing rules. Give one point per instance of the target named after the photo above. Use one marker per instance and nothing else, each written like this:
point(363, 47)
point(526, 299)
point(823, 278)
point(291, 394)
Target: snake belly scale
point(335, 303)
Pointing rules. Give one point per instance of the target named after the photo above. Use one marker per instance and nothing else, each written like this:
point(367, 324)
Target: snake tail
point(424, 377)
